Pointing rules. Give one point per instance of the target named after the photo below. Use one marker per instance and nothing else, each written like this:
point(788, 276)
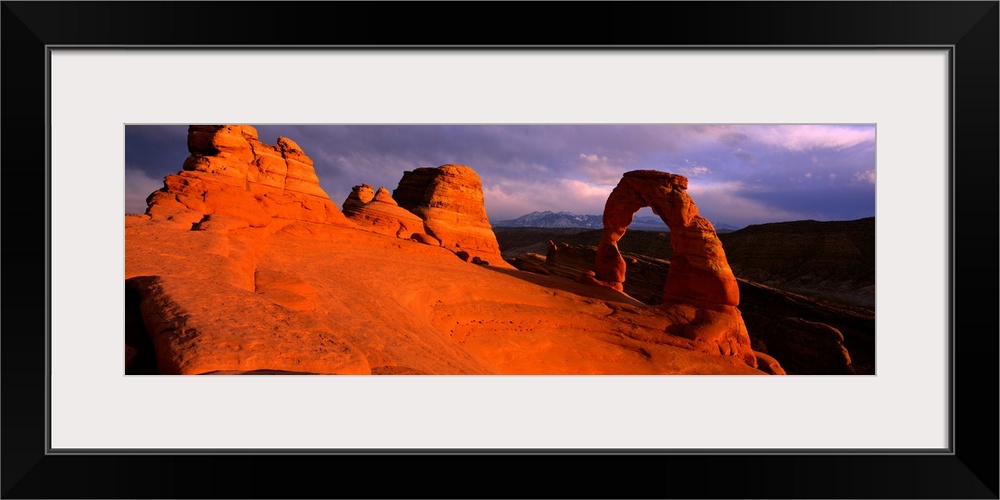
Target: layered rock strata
point(359, 196)
point(381, 214)
point(450, 200)
point(231, 173)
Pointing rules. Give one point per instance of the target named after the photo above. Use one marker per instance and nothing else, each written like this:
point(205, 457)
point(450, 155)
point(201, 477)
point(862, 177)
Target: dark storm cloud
point(820, 202)
point(157, 150)
point(739, 174)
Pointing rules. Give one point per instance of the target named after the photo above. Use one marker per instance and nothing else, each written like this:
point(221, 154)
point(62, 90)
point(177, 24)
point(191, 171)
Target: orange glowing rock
point(381, 214)
point(701, 291)
point(450, 200)
point(359, 196)
point(232, 173)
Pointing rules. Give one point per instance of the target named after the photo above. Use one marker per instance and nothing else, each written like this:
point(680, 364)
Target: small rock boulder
point(381, 214)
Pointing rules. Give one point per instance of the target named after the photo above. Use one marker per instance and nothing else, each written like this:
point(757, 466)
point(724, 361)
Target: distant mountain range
point(549, 219)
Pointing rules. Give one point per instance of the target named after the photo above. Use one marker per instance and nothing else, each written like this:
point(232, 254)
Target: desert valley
point(242, 264)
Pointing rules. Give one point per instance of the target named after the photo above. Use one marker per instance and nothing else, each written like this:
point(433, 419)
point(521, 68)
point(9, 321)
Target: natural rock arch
point(700, 294)
point(699, 273)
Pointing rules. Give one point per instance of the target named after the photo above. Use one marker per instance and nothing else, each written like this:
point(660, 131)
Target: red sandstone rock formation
point(188, 341)
point(359, 196)
point(231, 173)
point(699, 273)
point(381, 214)
point(701, 292)
point(450, 200)
point(768, 364)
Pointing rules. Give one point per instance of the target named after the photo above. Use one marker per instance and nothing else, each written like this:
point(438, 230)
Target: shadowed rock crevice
point(810, 348)
point(140, 357)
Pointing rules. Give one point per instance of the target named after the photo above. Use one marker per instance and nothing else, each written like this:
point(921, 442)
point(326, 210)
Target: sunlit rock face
point(359, 196)
point(701, 289)
point(381, 213)
point(699, 273)
point(450, 200)
point(231, 173)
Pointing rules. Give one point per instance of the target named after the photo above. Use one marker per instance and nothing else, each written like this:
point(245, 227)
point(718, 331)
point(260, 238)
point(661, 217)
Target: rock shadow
point(570, 286)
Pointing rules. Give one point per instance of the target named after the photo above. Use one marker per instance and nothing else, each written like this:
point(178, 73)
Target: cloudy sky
point(738, 174)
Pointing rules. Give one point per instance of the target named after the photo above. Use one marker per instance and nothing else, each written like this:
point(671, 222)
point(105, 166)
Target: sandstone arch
point(700, 294)
point(699, 273)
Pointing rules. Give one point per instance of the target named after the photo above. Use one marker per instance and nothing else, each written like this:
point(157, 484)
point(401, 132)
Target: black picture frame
point(969, 470)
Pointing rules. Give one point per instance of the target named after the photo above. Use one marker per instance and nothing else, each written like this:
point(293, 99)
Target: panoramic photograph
point(541, 249)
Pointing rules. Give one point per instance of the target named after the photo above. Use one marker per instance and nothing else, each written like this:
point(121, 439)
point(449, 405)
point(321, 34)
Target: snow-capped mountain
point(553, 219)
point(722, 227)
point(567, 219)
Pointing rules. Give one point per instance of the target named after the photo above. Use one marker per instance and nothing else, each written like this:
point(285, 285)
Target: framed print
point(915, 84)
